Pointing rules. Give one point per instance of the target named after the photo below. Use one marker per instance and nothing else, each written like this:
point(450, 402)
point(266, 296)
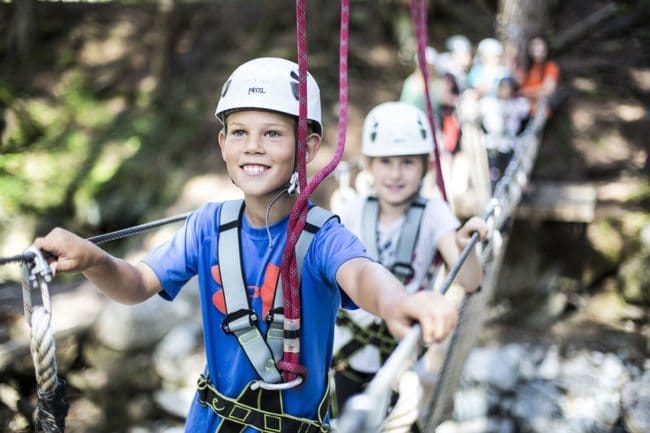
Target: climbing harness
point(259, 408)
point(241, 320)
point(290, 362)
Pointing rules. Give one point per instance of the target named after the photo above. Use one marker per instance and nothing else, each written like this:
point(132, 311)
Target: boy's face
point(259, 147)
point(397, 179)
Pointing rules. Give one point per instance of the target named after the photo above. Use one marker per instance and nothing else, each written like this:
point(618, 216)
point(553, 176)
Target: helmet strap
point(293, 183)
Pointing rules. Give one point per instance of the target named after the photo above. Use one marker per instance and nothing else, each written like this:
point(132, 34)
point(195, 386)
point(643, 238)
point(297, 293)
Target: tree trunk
point(517, 21)
point(161, 62)
point(20, 35)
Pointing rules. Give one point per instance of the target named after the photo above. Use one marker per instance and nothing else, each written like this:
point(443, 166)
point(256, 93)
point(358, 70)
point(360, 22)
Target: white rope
point(406, 410)
point(43, 350)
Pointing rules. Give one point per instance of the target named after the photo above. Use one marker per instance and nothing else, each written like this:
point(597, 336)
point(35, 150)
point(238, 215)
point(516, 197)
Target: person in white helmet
point(441, 90)
point(457, 59)
point(235, 249)
point(401, 230)
point(488, 67)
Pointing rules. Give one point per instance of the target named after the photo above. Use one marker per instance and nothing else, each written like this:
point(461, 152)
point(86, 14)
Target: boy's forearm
point(376, 289)
point(118, 280)
point(471, 274)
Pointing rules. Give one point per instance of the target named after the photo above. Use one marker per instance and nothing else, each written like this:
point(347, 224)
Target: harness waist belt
point(265, 421)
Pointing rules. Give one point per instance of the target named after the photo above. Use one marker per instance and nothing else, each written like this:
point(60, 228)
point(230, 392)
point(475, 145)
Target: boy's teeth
point(254, 169)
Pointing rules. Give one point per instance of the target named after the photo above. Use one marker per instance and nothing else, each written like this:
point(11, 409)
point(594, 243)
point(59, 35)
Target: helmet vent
point(225, 88)
point(294, 85)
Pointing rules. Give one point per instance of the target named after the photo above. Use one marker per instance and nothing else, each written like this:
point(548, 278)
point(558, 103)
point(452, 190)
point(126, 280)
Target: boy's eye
point(273, 134)
point(238, 132)
point(384, 161)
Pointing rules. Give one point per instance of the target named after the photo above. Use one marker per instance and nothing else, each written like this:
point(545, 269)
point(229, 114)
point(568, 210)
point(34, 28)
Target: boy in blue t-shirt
point(258, 108)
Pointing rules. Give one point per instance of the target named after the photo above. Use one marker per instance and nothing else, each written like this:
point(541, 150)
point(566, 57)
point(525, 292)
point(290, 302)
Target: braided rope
point(43, 350)
point(419, 18)
point(290, 363)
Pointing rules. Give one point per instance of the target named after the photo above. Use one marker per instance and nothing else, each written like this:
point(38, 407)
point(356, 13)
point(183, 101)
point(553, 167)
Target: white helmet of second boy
point(269, 83)
point(396, 129)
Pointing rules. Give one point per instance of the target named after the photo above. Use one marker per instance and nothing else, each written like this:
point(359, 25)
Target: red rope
point(419, 18)
point(290, 363)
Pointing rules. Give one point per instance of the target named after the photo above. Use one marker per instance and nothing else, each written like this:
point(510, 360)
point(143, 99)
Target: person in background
point(401, 230)
point(540, 76)
point(457, 60)
point(488, 68)
point(503, 117)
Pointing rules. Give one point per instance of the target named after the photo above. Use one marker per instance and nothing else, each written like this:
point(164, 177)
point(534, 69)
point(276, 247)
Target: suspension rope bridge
point(370, 411)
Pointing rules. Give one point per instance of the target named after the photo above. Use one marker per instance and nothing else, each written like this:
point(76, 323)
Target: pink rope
point(290, 363)
point(419, 18)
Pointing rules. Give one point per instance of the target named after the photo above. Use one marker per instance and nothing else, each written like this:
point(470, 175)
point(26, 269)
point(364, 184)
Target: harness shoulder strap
point(369, 218)
point(240, 319)
point(402, 268)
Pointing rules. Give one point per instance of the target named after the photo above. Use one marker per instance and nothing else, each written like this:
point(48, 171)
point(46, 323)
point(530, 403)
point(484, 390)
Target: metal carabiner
point(36, 276)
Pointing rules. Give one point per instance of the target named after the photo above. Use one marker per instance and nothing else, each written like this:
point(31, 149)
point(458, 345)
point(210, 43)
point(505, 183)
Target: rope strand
point(290, 362)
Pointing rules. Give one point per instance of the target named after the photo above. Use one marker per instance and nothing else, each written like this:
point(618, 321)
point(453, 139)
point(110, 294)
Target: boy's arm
point(114, 277)
point(451, 245)
point(377, 291)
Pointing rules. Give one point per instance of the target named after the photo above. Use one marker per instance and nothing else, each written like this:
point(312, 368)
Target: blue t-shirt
point(192, 251)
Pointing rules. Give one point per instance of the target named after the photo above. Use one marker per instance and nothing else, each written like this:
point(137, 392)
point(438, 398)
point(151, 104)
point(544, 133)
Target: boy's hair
point(269, 83)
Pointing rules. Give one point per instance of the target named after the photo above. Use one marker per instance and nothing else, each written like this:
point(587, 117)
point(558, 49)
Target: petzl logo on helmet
point(256, 90)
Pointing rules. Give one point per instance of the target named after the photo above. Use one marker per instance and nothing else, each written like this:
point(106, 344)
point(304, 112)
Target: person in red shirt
point(541, 75)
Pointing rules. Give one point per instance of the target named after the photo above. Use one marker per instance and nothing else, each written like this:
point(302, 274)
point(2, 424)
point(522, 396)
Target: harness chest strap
point(241, 320)
point(408, 236)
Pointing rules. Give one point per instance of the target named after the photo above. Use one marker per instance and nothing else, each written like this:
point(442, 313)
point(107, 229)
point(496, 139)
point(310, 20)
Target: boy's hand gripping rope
point(290, 363)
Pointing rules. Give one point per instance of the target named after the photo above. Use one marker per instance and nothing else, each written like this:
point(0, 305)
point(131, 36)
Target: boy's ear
point(221, 139)
point(313, 144)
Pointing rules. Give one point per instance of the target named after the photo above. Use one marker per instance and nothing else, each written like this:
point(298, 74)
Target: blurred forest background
point(106, 121)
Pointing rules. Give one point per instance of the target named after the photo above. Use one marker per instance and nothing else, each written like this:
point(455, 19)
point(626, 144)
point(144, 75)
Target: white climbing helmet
point(489, 47)
point(269, 83)
point(396, 129)
point(458, 43)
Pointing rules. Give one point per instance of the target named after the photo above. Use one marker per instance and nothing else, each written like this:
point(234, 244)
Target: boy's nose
point(252, 144)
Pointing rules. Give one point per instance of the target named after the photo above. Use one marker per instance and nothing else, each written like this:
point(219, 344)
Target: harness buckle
point(405, 270)
point(277, 386)
point(238, 320)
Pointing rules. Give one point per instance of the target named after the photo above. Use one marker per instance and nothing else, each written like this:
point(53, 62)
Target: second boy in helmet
point(400, 229)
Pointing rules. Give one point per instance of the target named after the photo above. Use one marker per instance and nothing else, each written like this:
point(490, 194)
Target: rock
point(140, 326)
point(635, 402)
point(498, 367)
point(175, 402)
point(535, 404)
point(178, 358)
point(549, 369)
point(475, 402)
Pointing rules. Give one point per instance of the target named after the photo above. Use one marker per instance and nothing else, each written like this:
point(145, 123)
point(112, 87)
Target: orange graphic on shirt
point(266, 292)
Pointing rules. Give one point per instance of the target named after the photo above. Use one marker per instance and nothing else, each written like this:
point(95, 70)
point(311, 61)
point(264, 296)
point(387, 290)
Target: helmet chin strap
point(290, 189)
point(293, 183)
